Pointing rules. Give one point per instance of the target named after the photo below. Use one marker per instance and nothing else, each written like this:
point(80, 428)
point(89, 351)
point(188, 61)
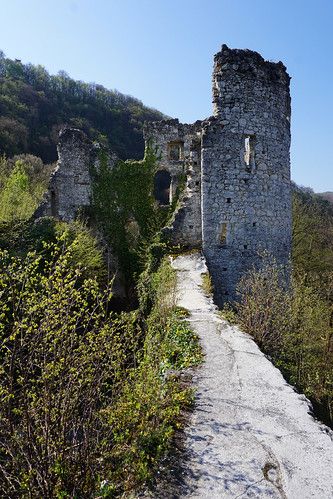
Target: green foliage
point(90, 401)
point(293, 324)
point(85, 251)
point(148, 413)
point(312, 234)
point(62, 361)
point(126, 211)
point(34, 105)
point(23, 181)
point(177, 345)
point(229, 313)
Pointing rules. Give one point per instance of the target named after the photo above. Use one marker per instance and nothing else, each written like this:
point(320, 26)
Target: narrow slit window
point(223, 234)
point(54, 204)
point(249, 151)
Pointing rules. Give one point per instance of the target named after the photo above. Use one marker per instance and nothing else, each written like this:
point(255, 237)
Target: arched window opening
point(162, 182)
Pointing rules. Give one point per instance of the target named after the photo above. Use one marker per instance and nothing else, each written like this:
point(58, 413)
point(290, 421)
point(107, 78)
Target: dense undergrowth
point(90, 398)
point(293, 321)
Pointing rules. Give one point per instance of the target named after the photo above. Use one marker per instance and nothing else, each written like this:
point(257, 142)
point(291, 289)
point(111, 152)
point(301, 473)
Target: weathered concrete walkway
point(250, 434)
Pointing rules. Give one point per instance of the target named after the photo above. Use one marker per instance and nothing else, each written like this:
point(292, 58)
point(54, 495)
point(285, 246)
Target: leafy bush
point(23, 181)
point(62, 361)
point(294, 326)
point(90, 401)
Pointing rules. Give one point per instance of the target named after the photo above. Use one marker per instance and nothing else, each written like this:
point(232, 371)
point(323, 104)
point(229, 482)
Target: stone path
point(250, 434)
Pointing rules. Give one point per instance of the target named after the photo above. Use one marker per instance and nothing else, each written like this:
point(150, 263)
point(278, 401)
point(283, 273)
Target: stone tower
point(245, 168)
point(233, 168)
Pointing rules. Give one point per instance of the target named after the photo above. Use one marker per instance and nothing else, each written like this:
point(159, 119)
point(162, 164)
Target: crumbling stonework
point(70, 184)
point(244, 206)
point(235, 166)
point(179, 151)
point(246, 198)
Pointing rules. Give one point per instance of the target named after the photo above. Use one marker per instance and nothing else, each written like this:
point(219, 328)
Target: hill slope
point(34, 105)
point(326, 195)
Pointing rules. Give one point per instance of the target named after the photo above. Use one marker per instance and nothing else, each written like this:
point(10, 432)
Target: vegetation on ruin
point(34, 105)
point(91, 400)
point(126, 212)
point(293, 322)
point(207, 284)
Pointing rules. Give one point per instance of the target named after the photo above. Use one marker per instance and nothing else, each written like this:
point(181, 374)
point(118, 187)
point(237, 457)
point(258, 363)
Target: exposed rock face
point(237, 201)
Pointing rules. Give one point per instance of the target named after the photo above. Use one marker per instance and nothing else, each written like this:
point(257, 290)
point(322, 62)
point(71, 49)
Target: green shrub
point(63, 358)
point(294, 326)
point(23, 181)
point(90, 401)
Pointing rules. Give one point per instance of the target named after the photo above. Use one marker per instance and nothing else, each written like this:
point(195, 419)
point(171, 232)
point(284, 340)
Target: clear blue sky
point(161, 51)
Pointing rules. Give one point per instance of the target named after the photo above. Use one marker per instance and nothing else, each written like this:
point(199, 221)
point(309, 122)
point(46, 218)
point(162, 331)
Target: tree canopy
point(34, 105)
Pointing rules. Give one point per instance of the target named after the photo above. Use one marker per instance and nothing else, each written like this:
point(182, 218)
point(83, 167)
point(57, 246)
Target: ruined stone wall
point(179, 152)
point(70, 184)
point(246, 200)
point(236, 202)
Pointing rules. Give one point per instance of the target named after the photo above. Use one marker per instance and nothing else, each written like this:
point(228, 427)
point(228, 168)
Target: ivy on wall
point(125, 209)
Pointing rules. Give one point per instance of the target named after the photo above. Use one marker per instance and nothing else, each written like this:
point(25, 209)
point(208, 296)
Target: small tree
point(62, 360)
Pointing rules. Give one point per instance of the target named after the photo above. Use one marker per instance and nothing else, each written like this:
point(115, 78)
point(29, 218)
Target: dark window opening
point(228, 200)
point(54, 207)
point(254, 224)
point(197, 182)
point(162, 182)
point(224, 269)
point(245, 246)
point(176, 150)
point(223, 234)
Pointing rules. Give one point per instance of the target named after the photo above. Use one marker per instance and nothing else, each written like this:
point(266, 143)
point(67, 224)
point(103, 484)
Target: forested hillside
point(34, 105)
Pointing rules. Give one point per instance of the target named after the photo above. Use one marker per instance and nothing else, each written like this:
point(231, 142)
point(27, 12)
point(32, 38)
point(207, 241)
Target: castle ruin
point(236, 164)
